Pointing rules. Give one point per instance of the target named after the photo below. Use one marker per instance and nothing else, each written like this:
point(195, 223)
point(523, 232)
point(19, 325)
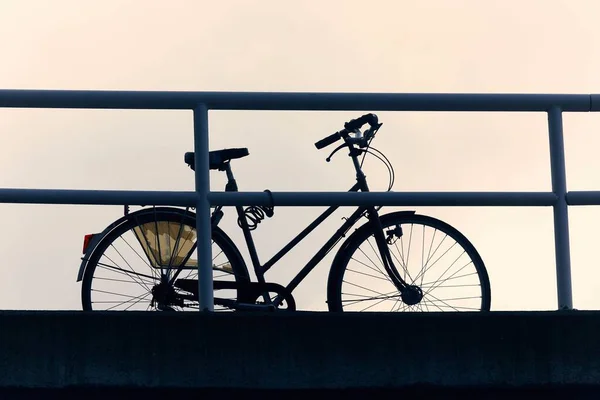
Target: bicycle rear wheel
point(135, 265)
point(427, 252)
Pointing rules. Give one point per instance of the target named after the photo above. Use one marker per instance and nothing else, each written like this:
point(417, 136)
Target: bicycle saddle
point(217, 158)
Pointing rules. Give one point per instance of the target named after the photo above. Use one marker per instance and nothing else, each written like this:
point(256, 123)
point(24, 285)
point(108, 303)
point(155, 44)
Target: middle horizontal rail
point(530, 199)
point(178, 198)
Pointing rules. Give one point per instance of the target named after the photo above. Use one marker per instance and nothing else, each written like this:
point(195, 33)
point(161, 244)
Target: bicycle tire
point(156, 215)
point(346, 253)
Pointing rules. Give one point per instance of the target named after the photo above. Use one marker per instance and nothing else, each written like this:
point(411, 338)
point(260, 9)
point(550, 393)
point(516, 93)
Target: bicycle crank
point(248, 294)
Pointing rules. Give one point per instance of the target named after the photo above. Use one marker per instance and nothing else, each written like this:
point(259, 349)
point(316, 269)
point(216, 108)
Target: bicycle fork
point(410, 294)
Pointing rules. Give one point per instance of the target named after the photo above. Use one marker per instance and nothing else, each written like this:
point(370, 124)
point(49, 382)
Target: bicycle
point(166, 236)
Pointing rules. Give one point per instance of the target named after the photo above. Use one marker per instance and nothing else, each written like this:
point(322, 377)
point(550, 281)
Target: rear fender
point(93, 243)
point(97, 237)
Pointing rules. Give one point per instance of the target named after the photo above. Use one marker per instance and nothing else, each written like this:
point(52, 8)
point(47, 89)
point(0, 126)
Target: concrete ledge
point(298, 351)
point(416, 392)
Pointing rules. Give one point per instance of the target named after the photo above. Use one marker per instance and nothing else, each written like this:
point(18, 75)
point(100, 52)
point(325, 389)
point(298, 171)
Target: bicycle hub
point(164, 295)
point(412, 295)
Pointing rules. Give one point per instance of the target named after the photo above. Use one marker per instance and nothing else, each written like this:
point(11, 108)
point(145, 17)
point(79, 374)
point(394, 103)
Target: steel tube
point(296, 101)
point(583, 198)
point(189, 199)
point(203, 226)
point(99, 197)
point(561, 215)
point(498, 199)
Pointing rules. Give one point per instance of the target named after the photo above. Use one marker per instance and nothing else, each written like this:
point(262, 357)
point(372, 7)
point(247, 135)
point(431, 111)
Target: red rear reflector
point(86, 241)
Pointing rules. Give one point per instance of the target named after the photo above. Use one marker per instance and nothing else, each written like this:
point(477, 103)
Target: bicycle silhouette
point(390, 271)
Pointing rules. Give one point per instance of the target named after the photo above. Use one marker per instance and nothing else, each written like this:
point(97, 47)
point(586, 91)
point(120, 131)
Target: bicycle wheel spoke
point(115, 294)
point(454, 286)
point(386, 296)
point(450, 278)
point(137, 302)
point(424, 261)
point(175, 247)
point(433, 304)
point(408, 251)
point(376, 252)
point(377, 255)
point(135, 276)
point(463, 267)
point(422, 256)
point(129, 265)
point(362, 287)
point(435, 262)
point(403, 263)
point(373, 305)
point(438, 300)
point(157, 242)
point(136, 252)
point(187, 256)
point(128, 273)
point(397, 304)
point(373, 269)
point(454, 308)
point(364, 273)
point(459, 298)
point(114, 280)
point(376, 267)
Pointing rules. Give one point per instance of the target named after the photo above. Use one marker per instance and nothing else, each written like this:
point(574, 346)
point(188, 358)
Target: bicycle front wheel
point(427, 253)
point(137, 264)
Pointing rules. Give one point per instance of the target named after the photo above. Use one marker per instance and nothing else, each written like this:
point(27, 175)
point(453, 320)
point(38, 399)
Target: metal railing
point(202, 198)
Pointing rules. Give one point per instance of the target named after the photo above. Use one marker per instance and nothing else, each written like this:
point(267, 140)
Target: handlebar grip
point(328, 140)
point(357, 123)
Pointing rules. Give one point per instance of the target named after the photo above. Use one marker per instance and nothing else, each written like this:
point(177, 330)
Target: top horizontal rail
point(184, 100)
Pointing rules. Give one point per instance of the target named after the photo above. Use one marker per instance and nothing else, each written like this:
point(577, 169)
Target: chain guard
point(248, 292)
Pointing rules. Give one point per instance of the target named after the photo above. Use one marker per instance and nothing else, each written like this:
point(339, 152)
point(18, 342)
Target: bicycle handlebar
point(328, 140)
point(349, 126)
point(358, 123)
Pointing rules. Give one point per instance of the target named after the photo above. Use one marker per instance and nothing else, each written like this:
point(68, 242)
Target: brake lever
point(341, 146)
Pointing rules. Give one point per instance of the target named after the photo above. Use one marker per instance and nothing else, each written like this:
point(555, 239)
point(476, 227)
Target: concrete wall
point(300, 351)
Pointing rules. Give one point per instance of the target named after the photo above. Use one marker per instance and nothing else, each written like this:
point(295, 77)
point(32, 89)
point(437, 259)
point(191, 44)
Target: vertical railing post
point(203, 228)
point(561, 215)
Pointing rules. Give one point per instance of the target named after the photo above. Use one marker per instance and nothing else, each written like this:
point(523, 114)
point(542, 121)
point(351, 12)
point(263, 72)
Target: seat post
point(231, 183)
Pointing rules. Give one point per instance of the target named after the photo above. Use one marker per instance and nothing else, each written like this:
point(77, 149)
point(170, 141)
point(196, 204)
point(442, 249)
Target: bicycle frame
point(260, 270)
point(372, 215)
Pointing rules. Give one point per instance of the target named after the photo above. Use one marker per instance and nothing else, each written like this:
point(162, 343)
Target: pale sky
point(311, 46)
